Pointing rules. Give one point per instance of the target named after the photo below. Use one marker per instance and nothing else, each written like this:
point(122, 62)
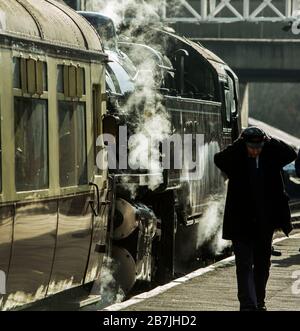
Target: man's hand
point(283, 152)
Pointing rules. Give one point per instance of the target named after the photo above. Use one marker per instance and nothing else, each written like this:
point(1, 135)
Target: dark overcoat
point(238, 218)
point(297, 165)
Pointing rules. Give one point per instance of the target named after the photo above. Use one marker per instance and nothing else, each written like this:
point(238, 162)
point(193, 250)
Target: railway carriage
point(52, 68)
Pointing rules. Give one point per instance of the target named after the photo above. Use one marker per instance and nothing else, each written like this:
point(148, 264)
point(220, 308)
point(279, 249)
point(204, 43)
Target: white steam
point(152, 127)
point(148, 116)
point(107, 286)
point(117, 9)
point(210, 227)
point(139, 12)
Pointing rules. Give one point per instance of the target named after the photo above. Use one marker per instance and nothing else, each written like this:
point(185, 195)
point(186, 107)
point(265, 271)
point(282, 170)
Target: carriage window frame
point(234, 103)
point(80, 99)
point(41, 81)
point(73, 152)
point(226, 106)
point(36, 109)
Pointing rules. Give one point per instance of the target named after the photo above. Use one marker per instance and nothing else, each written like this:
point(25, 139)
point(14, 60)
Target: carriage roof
point(47, 21)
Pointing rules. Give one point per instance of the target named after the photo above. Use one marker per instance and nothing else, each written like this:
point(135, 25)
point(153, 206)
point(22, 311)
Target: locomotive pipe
point(180, 56)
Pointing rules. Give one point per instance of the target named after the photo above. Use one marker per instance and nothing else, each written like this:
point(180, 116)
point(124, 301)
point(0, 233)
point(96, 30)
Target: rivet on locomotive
point(63, 86)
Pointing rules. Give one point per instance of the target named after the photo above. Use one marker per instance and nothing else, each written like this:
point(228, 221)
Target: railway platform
point(214, 288)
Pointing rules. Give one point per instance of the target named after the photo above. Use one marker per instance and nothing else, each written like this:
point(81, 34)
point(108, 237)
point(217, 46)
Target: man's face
point(253, 152)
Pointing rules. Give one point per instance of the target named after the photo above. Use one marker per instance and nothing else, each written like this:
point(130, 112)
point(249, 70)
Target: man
point(256, 205)
point(297, 168)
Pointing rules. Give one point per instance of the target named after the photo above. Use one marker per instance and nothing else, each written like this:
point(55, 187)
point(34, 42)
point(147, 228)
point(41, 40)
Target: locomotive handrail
point(96, 211)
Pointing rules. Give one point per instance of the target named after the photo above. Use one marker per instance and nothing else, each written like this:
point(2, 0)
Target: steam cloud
point(108, 287)
point(145, 106)
point(153, 122)
point(210, 227)
point(140, 12)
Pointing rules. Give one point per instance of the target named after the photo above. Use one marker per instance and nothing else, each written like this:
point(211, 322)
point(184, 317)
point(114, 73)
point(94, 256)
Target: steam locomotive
point(67, 85)
point(156, 231)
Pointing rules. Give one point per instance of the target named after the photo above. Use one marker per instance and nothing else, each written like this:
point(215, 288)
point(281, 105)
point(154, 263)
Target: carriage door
point(74, 215)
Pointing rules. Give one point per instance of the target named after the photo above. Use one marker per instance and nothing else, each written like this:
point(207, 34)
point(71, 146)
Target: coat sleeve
point(285, 153)
point(297, 165)
point(224, 159)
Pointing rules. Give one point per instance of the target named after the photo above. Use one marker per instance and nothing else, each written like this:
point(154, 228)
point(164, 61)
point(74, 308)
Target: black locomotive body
point(199, 93)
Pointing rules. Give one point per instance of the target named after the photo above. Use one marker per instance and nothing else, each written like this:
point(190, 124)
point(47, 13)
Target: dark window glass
point(60, 78)
point(81, 83)
point(31, 143)
point(17, 72)
point(72, 144)
point(84, 81)
point(45, 76)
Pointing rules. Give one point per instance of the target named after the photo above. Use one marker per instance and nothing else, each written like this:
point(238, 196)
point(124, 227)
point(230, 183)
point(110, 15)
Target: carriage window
point(31, 144)
point(72, 144)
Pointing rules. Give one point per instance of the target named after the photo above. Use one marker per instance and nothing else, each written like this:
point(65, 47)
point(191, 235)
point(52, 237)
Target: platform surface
point(214, 288)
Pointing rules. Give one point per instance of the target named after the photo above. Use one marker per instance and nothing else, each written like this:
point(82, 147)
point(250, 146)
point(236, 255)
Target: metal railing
point(232, 10)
